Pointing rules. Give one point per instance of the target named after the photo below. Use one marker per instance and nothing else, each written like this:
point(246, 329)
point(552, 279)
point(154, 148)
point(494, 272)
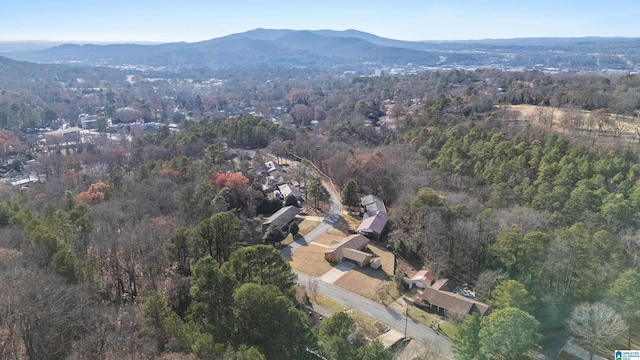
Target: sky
point(196, 20)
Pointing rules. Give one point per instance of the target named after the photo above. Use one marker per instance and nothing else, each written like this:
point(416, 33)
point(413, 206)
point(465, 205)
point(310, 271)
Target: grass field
point(305, 226)
point(329, 236)
point(361, 320)
point(310, 259)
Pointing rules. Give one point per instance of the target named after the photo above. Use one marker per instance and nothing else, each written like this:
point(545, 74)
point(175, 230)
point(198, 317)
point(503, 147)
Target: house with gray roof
point(281, 218)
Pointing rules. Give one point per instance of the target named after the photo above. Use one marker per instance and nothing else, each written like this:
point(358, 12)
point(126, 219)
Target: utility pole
point(406, 319)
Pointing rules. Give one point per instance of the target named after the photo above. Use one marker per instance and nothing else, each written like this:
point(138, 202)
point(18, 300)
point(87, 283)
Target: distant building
point(88, 122)
point(63, 136)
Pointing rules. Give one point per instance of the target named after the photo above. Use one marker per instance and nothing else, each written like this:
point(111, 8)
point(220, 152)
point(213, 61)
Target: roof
point(356, 255)
point(452, 302)
point(287, 189)
point(373, 222)
point(426, 276)
point(349, 247)
point(63, 132)
point(373, 203)
point(282, 217)
point(444, 285)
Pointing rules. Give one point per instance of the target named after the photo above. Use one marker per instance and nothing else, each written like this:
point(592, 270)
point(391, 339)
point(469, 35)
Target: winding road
point(351, 300)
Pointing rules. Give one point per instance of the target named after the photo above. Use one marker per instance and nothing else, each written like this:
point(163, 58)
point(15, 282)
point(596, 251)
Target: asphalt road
point(379, 312)
point(354, 301)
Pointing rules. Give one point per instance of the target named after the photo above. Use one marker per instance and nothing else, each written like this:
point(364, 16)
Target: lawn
point(346, 222)
point(310, 260)
point(361, 320)
point(426, 318)
point(305, 226)
point(370, 283)
point(329, 236)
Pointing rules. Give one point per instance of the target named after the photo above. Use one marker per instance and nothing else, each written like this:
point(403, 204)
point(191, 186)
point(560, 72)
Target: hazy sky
point(196, 20)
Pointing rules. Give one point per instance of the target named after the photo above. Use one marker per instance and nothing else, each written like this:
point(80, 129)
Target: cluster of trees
point(157, 226)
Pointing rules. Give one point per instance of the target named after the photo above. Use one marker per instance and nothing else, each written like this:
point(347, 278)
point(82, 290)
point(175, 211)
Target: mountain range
point(351, 50)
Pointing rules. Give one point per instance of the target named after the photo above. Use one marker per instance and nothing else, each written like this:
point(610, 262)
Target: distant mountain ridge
point(352, 49)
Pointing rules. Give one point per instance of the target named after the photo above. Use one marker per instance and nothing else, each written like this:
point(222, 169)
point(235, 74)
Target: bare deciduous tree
point(594, 325)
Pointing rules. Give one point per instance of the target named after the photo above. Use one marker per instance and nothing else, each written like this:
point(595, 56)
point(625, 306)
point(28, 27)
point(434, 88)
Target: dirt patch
point(390, 338)
point(7, 254)
point(588, 125)
point(370, 283)
point(310, 260)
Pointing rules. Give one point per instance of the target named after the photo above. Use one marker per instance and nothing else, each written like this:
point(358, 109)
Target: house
point(372, 203)
point(288, 189)
point(441, 297)
point(349, 248)
point(281, 218)
point(423, 279)
point(373, 224)
point(68, 135)
point(273, 181)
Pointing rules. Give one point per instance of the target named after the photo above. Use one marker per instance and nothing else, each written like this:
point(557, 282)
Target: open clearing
point(310, 259)
point(552, 119)
point(367, 282)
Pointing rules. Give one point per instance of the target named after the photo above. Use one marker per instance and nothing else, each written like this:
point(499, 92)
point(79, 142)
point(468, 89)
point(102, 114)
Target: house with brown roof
point(349, 248)
point(440, 297)
point(373, 224)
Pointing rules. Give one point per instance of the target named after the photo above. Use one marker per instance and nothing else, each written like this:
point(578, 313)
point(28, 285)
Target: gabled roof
point(356, 255)
point(373, 203)
point(62, 132)
point(282, 217)
point(349, 247)
point(287, 189)
point(453, 302)
point(373, 222)
point(425, 276)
